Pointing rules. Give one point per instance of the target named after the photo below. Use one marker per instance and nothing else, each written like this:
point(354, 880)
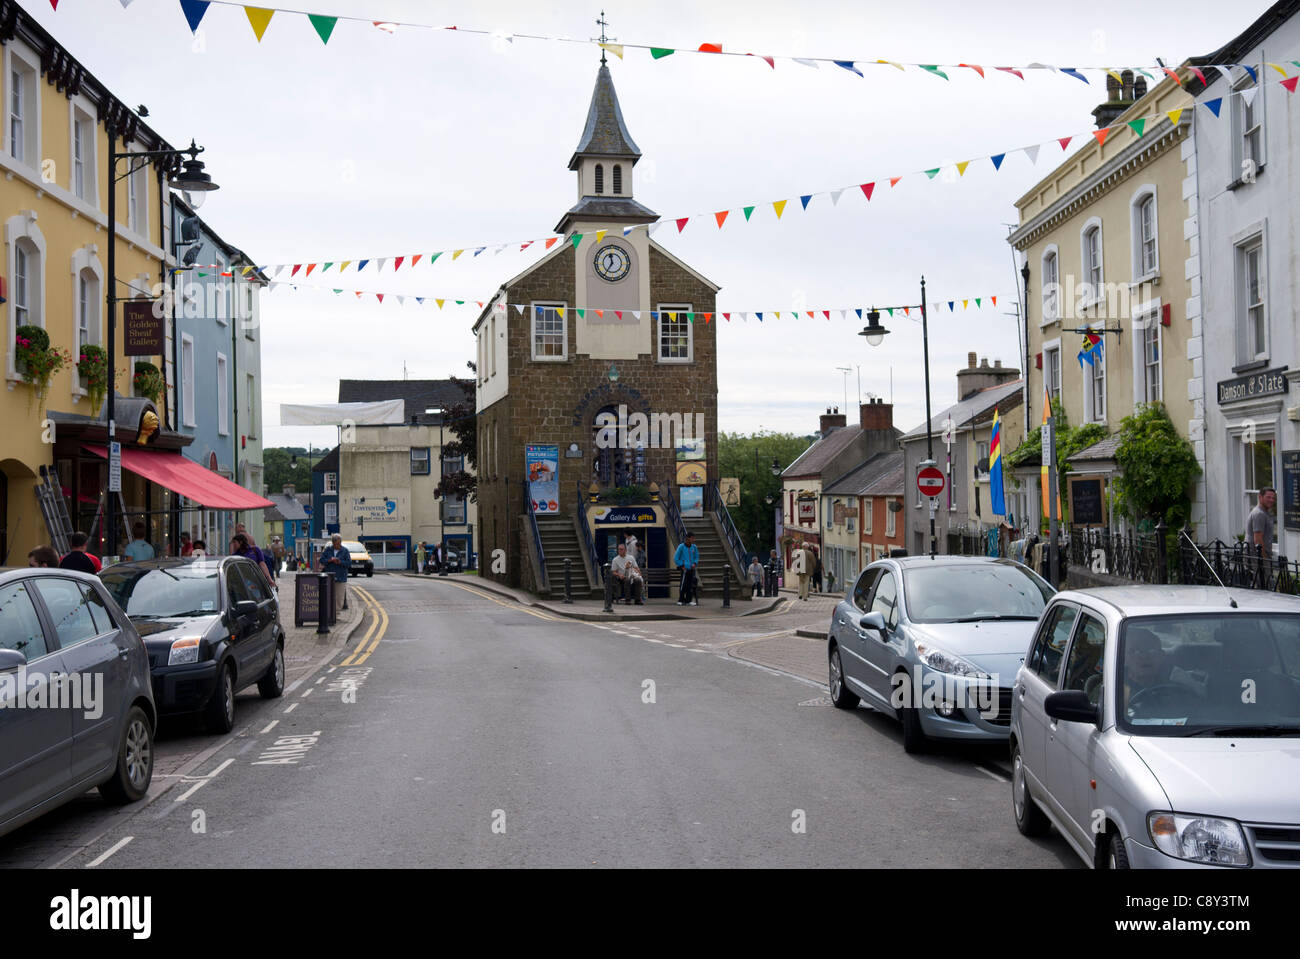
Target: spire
point(605, 133)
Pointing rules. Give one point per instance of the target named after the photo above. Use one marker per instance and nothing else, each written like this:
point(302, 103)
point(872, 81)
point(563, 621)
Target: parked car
point(212, 627)
point(361, 561)
point(61, 633)
point(936, 642)
point(455, 561)
point(1159, 727)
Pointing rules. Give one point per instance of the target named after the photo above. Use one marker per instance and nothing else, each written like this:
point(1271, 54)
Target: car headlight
point(1219, 842)
point(946, 662)
point(184, 650)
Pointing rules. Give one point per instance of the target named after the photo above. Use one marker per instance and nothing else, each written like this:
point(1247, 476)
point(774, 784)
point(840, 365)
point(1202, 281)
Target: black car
point(212, 627)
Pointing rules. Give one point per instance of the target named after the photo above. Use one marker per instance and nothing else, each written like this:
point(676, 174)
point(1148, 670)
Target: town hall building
point(606, 334)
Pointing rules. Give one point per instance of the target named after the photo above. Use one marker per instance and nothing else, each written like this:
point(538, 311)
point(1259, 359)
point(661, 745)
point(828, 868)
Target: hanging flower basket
point(92, 365)
point(148, 381)
point(37, 361)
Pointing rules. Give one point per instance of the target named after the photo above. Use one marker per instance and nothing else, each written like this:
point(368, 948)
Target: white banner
point(336, 414)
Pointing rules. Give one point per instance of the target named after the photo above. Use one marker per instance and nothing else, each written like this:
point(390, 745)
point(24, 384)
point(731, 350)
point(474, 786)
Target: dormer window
point(618, 178)
point(600, 178)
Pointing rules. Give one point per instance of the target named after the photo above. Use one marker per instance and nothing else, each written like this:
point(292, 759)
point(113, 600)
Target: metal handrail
point(673, 512)
point(728, 527)
point(588, 541)
point(545, 584)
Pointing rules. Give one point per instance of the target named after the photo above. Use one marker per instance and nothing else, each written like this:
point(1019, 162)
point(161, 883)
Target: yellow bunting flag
point(1278, 69)
point(344, 266)
point(1118, 78)
point(457, 253)
point(259, 17)
point(892, 64)
point(779, 207)
point(1175, 116)
point(965, 304)
point(439, 302)
point(560, 310)
point(961, 167)
point(600, 235)
point(614, 48)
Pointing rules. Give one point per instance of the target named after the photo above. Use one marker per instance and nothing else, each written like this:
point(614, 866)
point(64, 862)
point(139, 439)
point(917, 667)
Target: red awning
point(182, 476)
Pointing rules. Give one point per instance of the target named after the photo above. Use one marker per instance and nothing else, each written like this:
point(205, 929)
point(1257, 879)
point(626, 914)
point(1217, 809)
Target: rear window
point(950, 592)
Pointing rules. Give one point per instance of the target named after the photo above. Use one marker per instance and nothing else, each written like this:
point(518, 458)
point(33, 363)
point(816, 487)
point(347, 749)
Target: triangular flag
point(259, 17)
point(1175, 116)
point(866, 189)
point(1138, 125)
point(324, 25)
point(293, 272)
point(806, 62)
point(600, 235)
point(577, 240)
point(848, 65)
point(893, 180)
point(385, 26)
point(1275, 67)
point(456, 253)
point(420, 300)
point(965, 304)
point(614, 48)
point(933, 69)
point(381, 297)
point(977, 301)
point(997, 160)
point(660, 52)
point(907, 311)
point(748, 211)
point(1118, 78)
point(1290, 84)
point(835, 197)
point(1065, 142)
point(194, 11)
point(961, 167)
point(727, 317)
point(1032, 153)
point(710, 48)
point(479, 250)
point(771, 61)
point(1213, 105)
point(805, 199)
point(433, 257)
point(524, 246)
point(1199, 75)
point(721, 217)
point(401, 300)
point(519, 308)
point(1170, 73)
point(826, 313)
point(636, 314)
point(362, 265)
point(976, 67)
point(416, 258)
point(397, 264)
point(899, 66)
point(558, 309)
point(600, 314)
point(779, 207)
point(581, 313)
point(681, 223)
point(310, 267)
point(1254, 77)
point(810, 314)
point(322, 269)
point(380, 268)
point(931, 173)
point(1011, 70)
point(950, 306)
point(1101, 135)
point(338, 291)
point(549, 243)
point(1248, 96)
point(1071, 72)
point(440, 302)
point(344, 265)
point(619, 314)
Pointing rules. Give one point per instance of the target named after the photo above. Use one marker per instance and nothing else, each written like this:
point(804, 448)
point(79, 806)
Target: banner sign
point(144, 334)
point(625, 515)
point(543, 466)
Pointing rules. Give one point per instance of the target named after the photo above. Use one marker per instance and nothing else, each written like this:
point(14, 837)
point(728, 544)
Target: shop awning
point(189, 479)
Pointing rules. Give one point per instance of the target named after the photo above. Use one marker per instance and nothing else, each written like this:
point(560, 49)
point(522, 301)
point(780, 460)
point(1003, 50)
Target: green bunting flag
point(1137, 125)
point(933, 69)
point(660, 52)
point(748, 211)
point(577, 240)
point(931, 173)
point(324, 25)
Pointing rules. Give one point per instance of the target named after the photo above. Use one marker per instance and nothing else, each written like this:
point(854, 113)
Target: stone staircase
point(560, 541)
point(713, 557)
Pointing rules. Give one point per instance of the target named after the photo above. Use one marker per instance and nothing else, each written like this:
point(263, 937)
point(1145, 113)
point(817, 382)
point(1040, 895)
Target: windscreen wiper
point(1260, 729)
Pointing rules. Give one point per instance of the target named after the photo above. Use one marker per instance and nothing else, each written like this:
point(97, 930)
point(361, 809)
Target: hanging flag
point(310, 267)
point(931, 173)
point(1092, 349)
point(362, 265)
point(961, 168)
point(933, 69)
point(1289, 83)
point(549, 243)
point(660, 52)
point(997, 160)
point(1175, 116)
point(805, 199)
point(293, 272)
point(614, 48)
point(779, 207)
point(748, 211)
point(344, 265)
point(386, 26)
point(1011, 70)
point(1101, 135)
point(997, 496)
point(681, 223)
point(1213, 105)
point(835, 197)
point(259, 18)
point(848, 65)
point(600, 235)
point(721, 217)
point(1032, 153)
point(324, 25)
point(807, 63)
point(976, 67)
point(433, 257)
point(710, 48)
point(866, 190)
point(416, 259)
point(1071, 72)
point(771, 61)
point(397, 264)
point(1138, 125)
point(457, 253)
point(893, 180)
point(194, 11)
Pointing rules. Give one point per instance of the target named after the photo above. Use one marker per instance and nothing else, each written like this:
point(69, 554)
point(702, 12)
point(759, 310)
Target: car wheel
point(840, 695)
point(1030, 820)
point(1118, 856)
point(914, 738)
point(271, 685)
point(134, 772)
point(370, 572)
point(220, 714)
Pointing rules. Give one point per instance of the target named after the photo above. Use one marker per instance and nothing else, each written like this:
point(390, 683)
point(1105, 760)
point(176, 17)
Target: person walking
point(687, 559)
point(277, 555)
point(1260, 523)
point(755, 577)
point(419, 557)
point(259, 555)
point(803, 567)
point(337, 560)
point(817, 569)
point(78, 558)
point(773, 568)
point(138, 549)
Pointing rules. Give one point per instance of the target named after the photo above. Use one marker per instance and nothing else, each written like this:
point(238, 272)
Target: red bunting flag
point(54, 4)
point(1101, 135)
point(381, 297)
point(619, 314)
point(826, 313)
point(1065, 142)
point(994, 299)
point(681, 223)
point(974, 66)
point(1290, 83)
point(527, 245)
point(727, 317)
point(771, 61)
point(296, 268)
point(1199, 75)
point(710, 48)
point(397, 264)
point(721, 217)
point(867, 188)
point(1012, 70)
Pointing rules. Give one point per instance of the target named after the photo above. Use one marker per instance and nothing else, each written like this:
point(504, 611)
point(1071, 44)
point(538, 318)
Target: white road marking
point(675, 645)
point(306, 692)
point(202, 780)
point(271, 725)
point(114, 848)
point(319, 681)
point(191, 791)
point(291, 708)
point(992, 775)
point(649, 640)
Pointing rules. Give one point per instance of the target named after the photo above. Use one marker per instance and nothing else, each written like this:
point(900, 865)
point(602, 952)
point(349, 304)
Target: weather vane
point(603, 23)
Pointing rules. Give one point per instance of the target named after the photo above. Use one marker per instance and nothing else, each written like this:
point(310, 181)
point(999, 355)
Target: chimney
point(876, 415)
point(288, 489)
point(1120, 95)
point(832, 420)
point(980, 377)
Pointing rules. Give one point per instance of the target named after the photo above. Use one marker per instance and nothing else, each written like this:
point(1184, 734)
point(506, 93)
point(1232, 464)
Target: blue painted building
point(325, 493)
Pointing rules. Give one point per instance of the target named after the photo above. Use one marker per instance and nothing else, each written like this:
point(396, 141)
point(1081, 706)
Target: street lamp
point(875, 334)
point(186, 176)
point(438, 411)
point(311, 493)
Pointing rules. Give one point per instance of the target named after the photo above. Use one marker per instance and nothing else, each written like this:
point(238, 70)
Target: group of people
point(431, 559)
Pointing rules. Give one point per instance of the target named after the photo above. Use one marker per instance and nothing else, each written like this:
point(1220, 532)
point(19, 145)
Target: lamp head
point(873, 331)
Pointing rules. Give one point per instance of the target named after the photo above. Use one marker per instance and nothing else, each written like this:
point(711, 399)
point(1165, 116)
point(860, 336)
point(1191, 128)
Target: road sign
point(115, 467)
point(949, 429)
point(930, 481)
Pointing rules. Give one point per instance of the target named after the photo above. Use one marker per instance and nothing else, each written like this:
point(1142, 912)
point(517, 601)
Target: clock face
point(612, 263)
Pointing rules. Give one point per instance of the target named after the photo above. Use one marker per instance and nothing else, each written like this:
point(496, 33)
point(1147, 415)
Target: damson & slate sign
point(1291, 489)
point(1263, 383)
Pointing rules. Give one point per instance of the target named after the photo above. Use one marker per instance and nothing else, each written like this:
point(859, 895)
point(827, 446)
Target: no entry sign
point(930, 481)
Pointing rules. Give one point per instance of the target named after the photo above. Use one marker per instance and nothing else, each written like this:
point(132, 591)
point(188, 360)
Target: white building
point(1242, 232)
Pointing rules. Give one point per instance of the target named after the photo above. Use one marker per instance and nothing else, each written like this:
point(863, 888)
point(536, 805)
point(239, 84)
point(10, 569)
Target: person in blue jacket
point(687, 559)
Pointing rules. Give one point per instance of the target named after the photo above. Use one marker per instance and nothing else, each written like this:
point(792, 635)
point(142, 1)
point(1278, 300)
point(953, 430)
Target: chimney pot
point(997, 364)
point(970, 361)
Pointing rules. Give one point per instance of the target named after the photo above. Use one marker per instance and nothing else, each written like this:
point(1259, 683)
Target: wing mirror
point(11, 659)
point(245, 608)
point(1072, 706)
point(874, 621)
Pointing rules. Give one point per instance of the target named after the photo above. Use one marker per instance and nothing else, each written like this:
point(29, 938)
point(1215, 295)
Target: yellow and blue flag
point(997, 497)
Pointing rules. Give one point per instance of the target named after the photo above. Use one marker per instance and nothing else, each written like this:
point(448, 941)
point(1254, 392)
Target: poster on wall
point(692, 501)
point(689, 448)
point(807, 510)
point(729, 487)
point(691, 474)
point(543, 466)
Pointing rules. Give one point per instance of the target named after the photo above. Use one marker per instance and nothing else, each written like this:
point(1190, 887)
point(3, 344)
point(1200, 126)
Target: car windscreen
point(1199, 674)
point(161, 592)
point(355, 548)
point(953, 593)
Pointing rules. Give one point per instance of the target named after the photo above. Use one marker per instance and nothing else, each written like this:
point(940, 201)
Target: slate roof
point(878, 471)
point(1235, 50)
point(1100, 450)
point(969, 409)
point(418, 394)
point(329, 463)
point(618, 209)
point(605, 133)
point(817, 457)
point(285, 508)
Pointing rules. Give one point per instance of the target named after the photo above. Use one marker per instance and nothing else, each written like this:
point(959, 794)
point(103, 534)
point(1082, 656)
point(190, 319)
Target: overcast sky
point(381, 145)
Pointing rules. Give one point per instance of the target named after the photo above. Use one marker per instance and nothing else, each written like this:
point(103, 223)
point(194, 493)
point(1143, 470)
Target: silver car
point(1159, 727)
point(936, 642)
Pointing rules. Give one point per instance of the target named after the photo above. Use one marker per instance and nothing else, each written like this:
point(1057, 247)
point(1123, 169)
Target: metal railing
point(713, 501)
point(674, 514)
point(974, 541)
point(1242, 565)
point(588, 542)
point(545, 584)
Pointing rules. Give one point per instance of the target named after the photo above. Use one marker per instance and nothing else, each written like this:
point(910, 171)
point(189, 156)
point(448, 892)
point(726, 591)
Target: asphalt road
point(464, 730)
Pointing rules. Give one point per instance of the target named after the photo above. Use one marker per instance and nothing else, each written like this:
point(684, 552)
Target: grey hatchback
point(76, 707)
point(936, 641)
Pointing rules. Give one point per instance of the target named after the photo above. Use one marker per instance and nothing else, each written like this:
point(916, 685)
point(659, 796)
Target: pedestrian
point(419, 557)
point(200, 550)
point(43, 557)
point(138, 549)
point(817, 569)
point(687, 559)
point(277, 555)
point(755, 577)
point(773, 564)
point(78, 558)
point(187, 546)
point(627, 576)
point(1260, 524)
point(337, 560)
point(803, 567)
point(830, 580)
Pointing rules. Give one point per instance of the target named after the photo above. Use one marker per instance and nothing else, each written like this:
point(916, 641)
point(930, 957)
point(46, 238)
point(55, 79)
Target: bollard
point(609, 589)
point(568, 581)
point(322, 604)
point(726, 586)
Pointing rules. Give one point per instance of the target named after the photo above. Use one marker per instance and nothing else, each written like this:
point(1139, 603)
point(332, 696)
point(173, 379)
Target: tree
point(1157, 467)
point(462, 422)
point(749, 459)
point(277, 472)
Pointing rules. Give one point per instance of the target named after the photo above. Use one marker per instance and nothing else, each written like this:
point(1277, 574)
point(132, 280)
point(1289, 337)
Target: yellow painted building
point(1109, 241)
point(54, 184)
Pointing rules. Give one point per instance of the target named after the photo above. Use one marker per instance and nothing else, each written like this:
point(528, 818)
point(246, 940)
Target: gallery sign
point(1263, 383)
point(625, 515)
point(143, 330)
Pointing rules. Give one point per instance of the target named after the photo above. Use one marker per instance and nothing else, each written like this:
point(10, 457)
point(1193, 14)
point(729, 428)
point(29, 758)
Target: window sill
point(1240, 181)
point(1252, 365)
point(1152, 278)
point(550, 359)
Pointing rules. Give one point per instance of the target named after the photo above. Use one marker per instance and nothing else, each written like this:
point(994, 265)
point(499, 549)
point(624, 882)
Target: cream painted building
point(1109, 239)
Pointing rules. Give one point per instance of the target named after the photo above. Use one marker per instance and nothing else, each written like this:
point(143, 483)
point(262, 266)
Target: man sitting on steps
point(628, 583)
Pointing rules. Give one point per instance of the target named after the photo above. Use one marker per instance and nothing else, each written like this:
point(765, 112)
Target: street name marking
point(287, 750)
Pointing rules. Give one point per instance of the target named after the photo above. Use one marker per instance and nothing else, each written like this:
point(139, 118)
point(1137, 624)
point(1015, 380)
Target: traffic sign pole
point(930, 482)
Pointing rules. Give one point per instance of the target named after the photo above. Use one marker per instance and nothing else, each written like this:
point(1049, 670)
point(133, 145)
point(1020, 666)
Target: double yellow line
point(376, 630)
point(512, 605)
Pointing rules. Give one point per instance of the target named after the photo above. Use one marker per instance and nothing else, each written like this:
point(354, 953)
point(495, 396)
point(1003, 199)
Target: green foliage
point(736, 457)
point(148, 380)
point(1157, 467)
point(1069, 440)
point(462, 422)
point(625, 495)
